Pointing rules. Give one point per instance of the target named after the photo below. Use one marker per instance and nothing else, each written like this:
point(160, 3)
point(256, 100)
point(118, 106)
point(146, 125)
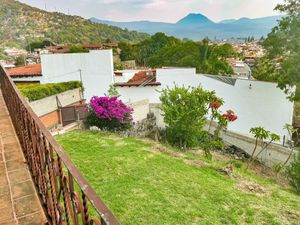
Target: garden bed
point(143, 182)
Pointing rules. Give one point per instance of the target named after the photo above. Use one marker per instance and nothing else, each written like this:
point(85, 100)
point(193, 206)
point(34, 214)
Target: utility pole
point(80, 74)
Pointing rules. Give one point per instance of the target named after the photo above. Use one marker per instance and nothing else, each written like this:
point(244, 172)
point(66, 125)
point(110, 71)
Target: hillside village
point(129, 128)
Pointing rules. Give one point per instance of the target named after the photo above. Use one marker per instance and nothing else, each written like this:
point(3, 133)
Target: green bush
point(184, 110)
point(294, 173)
point(35, 92)
point(209, 143)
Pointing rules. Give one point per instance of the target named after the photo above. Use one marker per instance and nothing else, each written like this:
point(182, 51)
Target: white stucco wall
point(96, 70)
point(135, 94)
point(262, 105)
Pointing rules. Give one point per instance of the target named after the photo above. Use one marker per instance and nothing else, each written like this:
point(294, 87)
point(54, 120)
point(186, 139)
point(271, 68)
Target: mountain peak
point(194, 19)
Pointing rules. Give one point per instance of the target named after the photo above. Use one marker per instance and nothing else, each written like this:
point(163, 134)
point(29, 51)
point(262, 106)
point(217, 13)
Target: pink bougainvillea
point(110, 108)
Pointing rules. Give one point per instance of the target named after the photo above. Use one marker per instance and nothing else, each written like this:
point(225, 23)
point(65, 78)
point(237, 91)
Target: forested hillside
point(21, 23)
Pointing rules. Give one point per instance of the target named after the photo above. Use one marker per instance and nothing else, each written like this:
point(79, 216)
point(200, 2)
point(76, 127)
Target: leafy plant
point(263, 138)
point(185, 111)
point(293, 172)
point(113, 91)
point(208, 143)
point(35, 92)
point(78, 49)
point(223, 121)
point(109, 113)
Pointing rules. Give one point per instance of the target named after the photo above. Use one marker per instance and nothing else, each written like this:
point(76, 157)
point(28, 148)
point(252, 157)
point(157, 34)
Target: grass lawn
point(142, 184)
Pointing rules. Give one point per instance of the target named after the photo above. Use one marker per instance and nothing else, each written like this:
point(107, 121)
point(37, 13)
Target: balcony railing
point(65, 194)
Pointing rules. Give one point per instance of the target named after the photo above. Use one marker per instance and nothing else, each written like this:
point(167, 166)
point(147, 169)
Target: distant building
point(30, 74)
point(241, 70)
point(94, 69)
point(15, 52)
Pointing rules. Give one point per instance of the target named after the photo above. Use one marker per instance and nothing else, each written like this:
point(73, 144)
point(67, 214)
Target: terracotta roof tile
point(26, 71)
point(142, 78)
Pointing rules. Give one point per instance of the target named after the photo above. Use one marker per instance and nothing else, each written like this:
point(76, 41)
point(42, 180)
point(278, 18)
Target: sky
point(159, 10)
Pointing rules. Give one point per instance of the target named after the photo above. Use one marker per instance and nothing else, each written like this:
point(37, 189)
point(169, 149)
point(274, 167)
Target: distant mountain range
point(198, 26)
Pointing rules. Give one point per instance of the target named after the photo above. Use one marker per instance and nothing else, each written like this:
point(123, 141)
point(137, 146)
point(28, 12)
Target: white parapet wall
point(95, 69)
point(50, 104)
point(256, 103)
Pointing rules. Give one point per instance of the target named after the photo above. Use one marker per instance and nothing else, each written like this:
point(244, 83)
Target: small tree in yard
point(109, 113)
point(185, 111)
point(293, 171)
point(113, 91)
point(263, 138)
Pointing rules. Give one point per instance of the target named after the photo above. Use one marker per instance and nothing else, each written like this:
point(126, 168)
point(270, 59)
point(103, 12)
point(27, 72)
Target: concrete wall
point(273, 155)
point(50, 104)
point(96, 70)
point(135, 94)
point(261, 105)
point(141, 110)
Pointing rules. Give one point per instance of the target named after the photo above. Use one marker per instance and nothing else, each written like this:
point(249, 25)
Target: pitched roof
point(142, 78)
point(26, 71)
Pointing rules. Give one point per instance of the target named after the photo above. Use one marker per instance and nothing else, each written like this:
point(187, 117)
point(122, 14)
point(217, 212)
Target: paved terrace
point(19, 203)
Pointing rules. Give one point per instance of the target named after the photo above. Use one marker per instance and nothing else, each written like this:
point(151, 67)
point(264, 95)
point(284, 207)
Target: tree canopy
point(161, 50)
point(283, 47)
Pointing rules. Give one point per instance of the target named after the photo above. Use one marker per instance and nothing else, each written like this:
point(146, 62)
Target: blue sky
point(160, 10)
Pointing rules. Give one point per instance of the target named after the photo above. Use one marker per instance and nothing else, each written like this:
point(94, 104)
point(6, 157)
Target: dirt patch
point(196, 163)
point(165, 150)
point(291, 215)
point(227, 170)
point(251, 187)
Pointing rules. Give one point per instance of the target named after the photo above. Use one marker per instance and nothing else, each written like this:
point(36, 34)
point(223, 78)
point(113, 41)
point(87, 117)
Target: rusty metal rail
point(53, 173)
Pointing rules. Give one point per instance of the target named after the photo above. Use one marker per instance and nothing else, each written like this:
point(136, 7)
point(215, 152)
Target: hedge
point(35, 92)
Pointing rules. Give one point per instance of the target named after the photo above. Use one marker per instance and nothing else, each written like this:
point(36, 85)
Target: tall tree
point(283, 45)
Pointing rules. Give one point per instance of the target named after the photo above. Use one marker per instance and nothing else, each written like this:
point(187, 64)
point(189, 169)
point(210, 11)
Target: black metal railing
point(65, 194)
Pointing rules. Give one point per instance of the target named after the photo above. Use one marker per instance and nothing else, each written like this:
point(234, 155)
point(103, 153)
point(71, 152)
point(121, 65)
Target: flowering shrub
point(230, 116)
point(223, 121)
point(109, 113)
point(215, 105)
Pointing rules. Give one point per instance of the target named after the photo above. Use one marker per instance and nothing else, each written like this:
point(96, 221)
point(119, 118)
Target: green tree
point(185, 110)
point(78, 49)
point(265, 70)
point(282, 44)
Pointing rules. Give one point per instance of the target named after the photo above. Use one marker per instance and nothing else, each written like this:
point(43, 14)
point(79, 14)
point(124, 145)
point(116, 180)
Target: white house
point(94, 69)
point(256, 103)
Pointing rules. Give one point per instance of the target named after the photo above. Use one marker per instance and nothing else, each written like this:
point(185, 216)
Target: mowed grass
point(144, 186)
